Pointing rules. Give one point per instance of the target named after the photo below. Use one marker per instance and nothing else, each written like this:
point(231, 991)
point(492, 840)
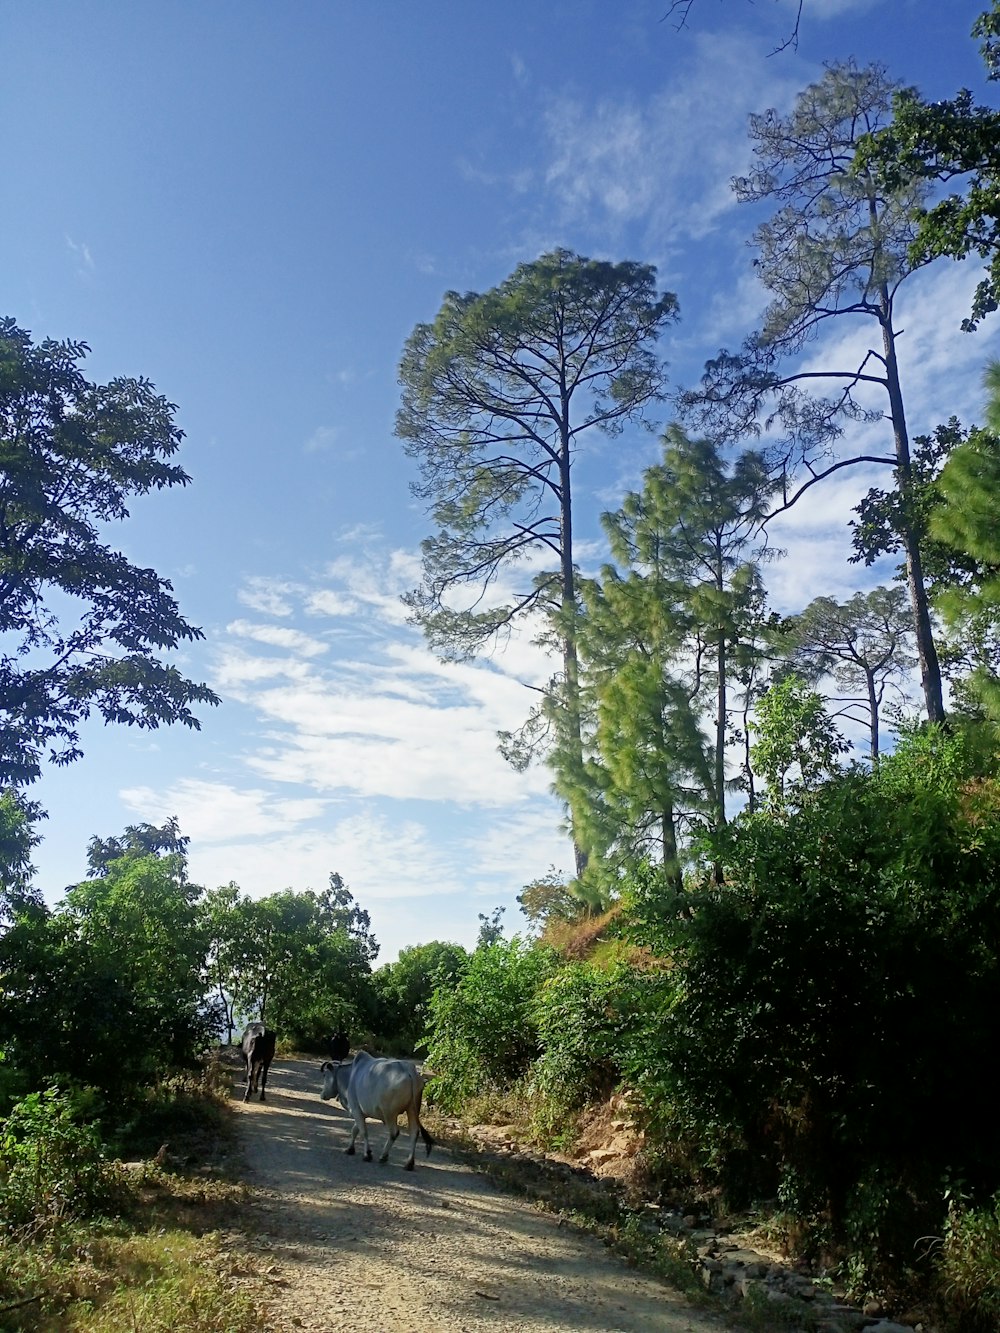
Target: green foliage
point(497, 394)
point(863, 644)
point(829, 1006)
point(965, 522)
point(300, 961)
point(82, 627)
point(18, 839)
point(661, 635)
point(484, 1031)
point(967, 1265)
point(53, 1164)
point(798, 744)
point(405, 988)
point(138, 840)
point(109, 987)
point(949, 141)
point(549, 898)
point(837, 245)
point(581, 1026)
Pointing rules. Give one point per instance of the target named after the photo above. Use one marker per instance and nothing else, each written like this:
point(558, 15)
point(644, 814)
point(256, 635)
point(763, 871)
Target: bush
point(968, 1266)
point(484, 1032)
point(53, 1164)
point(582, 1027)
point(824, 1026)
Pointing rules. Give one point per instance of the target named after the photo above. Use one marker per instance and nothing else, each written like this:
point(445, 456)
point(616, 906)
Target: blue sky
point(252, 204)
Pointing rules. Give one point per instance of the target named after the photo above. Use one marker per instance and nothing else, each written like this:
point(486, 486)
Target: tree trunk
point(873, 710)
point(930, 670)
point(571, 667)
point(671, 861)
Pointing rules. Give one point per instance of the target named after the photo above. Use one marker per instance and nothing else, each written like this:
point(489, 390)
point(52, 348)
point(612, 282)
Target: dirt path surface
point(362, 1248)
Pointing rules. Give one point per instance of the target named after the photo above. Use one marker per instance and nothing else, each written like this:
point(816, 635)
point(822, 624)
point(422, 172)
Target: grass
point(171, 1260)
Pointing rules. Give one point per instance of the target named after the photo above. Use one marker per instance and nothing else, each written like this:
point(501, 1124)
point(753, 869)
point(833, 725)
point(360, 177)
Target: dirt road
point(362, 1248)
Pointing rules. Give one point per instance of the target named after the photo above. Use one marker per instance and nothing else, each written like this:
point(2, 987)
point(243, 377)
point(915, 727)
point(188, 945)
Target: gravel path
point(362, 1248)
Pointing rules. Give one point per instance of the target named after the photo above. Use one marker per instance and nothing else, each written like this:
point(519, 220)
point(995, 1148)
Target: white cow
point(382, 1090)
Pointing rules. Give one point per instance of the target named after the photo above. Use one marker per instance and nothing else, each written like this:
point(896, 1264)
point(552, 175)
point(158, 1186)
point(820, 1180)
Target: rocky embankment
point(730, 1260)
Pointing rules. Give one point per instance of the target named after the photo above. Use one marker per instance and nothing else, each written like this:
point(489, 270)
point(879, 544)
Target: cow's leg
point(263, 1079)
point(412, 1123)
point(246, 1093)
point(364, 1137)
point(349, 1150)
point(392, 1127)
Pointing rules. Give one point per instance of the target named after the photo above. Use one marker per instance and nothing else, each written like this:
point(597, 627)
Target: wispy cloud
point(270, 596)
point(322, 440)
point(386, 718)
point(85, 266)
point(214, 812)
point(278, 636)
point(666, 160)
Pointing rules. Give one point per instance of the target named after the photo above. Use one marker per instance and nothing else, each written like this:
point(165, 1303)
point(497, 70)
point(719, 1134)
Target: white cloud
point(666, 160)
point(322, 439)
point(273, 597)
point(215, 812)
point(385, 718)
point(80, 251)
point(278, 636)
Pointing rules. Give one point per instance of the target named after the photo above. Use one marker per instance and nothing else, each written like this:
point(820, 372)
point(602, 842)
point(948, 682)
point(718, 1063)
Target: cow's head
point(336, 1076)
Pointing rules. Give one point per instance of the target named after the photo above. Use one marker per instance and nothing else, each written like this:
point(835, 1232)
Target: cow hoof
point(408, 1166)
point(349, 1152)
point(368, 1157)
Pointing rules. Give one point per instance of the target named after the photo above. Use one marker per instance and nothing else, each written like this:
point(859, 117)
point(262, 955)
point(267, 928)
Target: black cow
point(258, 1052)
point(340, 1046)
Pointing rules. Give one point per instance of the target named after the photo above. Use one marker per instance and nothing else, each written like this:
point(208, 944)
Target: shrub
point(582, 1027)
point(826, 1018)
point(53, 1164)
point(484, 1032)
point(968, 1265)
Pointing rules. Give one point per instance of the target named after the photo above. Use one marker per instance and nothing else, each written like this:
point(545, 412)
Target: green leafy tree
point(863, 644)
point(138, 840)
point(549, 898)
point(231, 941)
point(836, 249)
point(81, 628)
point(966, 522)
point(406, 986)
point(808, 1053)
point(484, 1031)
point(144, 917)
point(968, 642)
point(66, 1009)
point(490, 928)
point(498, 394)
point(109, 987)
point(299, 961)
point(948, 142)
point(659, 635)
point(798, 744)
point(18, 839)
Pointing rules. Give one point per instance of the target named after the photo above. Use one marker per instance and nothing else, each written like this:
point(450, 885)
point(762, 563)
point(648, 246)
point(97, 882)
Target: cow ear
point(325, 1066)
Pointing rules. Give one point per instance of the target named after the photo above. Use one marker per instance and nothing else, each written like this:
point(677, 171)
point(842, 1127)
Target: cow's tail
point(428, 1141)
